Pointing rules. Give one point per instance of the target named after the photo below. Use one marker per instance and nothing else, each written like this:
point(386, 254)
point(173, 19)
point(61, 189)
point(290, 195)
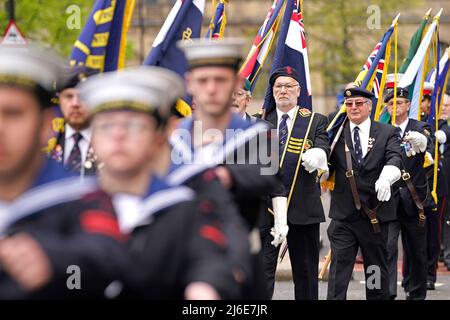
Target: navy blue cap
point(75, 75)
point(401, 93)
point(358, 92)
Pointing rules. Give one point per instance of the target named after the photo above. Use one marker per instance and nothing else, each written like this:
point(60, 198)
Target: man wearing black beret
point(366, 162)
point(295, 125)
point(413, 199)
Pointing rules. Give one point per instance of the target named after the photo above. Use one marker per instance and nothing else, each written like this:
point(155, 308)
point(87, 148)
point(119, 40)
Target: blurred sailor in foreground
point(215, 137)
point(177, 246)
point(50, 224)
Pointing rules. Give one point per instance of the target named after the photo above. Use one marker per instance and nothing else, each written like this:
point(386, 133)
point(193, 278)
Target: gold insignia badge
point(426, 132)
point(58, 124)
point(308, 145)
point(348, 93)
point(304, 112)
point(82, 77)
point(50, 145)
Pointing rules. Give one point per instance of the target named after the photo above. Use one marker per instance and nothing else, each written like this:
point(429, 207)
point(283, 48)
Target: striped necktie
point(283, 133)
point(74, 161)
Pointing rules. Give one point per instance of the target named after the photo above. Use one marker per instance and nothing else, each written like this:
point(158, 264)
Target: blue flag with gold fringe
point(101, 44)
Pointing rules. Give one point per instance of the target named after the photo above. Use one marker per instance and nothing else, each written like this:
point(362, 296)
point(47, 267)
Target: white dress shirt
point(403, 126)
point(364, 132)
point(129, 211)
point(290, 113)
point(84, 143)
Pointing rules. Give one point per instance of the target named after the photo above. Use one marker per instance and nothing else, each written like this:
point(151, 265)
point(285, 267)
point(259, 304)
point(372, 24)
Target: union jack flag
point(376, 83)
point(291, 51)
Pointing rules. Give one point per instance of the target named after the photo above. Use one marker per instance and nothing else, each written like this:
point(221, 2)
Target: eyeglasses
point(130, 127)
point(239, 94)
point(399, 103)
point(356, 103)
point(288, 87)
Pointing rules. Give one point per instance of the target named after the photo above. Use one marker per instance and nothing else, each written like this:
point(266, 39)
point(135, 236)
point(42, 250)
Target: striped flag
point(252, 65)
point(369, 78)
point(291, 51)
point(414, 74)
point(102, 41)
point(374, 67)
point(218, 22)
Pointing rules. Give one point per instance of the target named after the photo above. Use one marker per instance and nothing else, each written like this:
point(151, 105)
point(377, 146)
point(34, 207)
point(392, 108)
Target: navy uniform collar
point(52, 186)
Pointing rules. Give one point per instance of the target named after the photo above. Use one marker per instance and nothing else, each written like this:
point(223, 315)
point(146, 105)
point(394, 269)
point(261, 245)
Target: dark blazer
point(445, 156)
point(71, 233)
point(442, 188)
point(306, 207)
point(57, 154)
point(183, 243)
point(385, 151)
point(414, 166)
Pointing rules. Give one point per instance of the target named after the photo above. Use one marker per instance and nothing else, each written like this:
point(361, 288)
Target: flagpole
point(142, 32)
point(436, 120)
point(380, 105)
point(11, 9)
point(394, 110)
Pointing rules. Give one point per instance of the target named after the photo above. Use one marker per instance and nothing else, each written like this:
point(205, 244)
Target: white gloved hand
point(280, 228)
point(417, 140)
point(278, 233)
point(383, 189)
point(313, 159)
point(388, 176)
point(441, 136)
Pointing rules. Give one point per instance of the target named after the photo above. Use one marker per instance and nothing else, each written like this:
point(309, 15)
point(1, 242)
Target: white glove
point(418, 142)
point(313, 159)
point(388, 176)
point(441, 136)
point(383, 189)
point(280, 229)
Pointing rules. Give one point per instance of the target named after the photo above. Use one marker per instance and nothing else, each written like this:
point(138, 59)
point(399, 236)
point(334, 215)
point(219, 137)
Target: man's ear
point(188, 82)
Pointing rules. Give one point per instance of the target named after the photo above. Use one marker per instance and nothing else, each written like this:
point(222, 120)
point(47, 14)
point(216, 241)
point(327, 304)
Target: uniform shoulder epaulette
point(304, 112)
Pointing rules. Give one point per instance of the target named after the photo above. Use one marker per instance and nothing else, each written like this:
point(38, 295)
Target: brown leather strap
point(371, 213)
point(412, 190)
point(351, 178)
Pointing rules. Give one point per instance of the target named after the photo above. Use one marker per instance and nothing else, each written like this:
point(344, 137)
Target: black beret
point(401, 93)
point(358, 92)
point(283, 72)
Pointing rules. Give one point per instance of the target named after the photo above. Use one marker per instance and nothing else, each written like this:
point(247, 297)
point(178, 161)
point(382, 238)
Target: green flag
point(413, 46)
point(414, 43)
